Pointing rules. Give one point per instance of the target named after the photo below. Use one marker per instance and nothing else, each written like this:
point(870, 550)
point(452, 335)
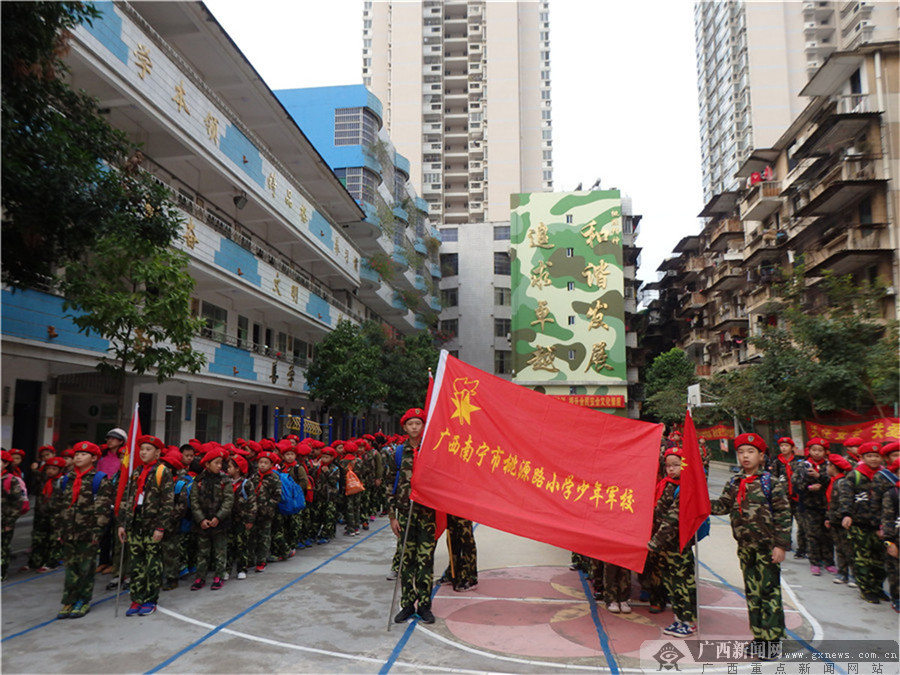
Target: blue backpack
point(95, 484)
point(292, 499)
point(187, 522)
point(398, 459)
point(703, 530)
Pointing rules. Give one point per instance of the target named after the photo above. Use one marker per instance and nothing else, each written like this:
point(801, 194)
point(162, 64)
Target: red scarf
point(261, 478)
point(817, 464)
point(142, 479)
point(742, 491)
point(76, 484)
point(831, 485)
point(866, 471)
point(48, 488)
point(661, 487)
point(789, 472)
point(236, 484)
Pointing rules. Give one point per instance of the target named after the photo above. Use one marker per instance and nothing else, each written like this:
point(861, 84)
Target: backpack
point(292, 499)
point(765, 481)
point(703, 530)
point(95, 484)
point(185, 484)
point(398, 458)
point(7, 484)
point(353, 484)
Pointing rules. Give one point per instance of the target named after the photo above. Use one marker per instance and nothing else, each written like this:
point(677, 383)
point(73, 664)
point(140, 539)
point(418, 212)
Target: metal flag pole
point(132, 442)
point(400, 566)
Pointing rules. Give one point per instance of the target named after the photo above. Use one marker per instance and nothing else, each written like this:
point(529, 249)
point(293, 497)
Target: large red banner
point(716, 433)
point(520, 461)
point(887, 428)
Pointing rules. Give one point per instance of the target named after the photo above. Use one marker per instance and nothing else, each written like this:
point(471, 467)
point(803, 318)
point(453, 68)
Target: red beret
point(271, 456)
point(87, 446)
point(303, 449)
point(212, 454)
point(5, 456)
point(840, 462)
point(855, 441)
point(46, 447)
point(412, 413)
point(152, 440)
point(369, 437)
point(350, 447)
point(787, 439)
point(817, 441)
point(173, 459)
point(240, 452)
point(871, 446)
point(292, 437)
point(241, 463)
point(68, 452)
point(329, 451)
point(315, 443)
point(59, 462)
point(755, 440)
point(268, 444)
point(889, 448)
point(673, 451)
point(284, 445)
point(254, 446)
point(16, 451)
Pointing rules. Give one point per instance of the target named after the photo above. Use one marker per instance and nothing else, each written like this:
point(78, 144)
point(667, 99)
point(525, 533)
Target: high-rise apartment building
point(754, 58)
point(466, 94)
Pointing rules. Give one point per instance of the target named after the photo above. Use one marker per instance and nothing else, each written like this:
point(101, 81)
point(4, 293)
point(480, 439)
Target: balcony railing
point(761, 201)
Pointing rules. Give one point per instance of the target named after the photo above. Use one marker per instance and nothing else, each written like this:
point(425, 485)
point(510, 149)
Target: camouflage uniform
point(464, 554)
point(351, 502)
point(13, 498)
point(179, 529)
point(267, 488)
point(211, 497)
point(140, 520)
point(885, 481)
point(890, 522)
point(678, 573)
point(616, 583)
point(652, 578)
point(759, 524)
point(324, 512)
point(45, 546)
point(389, 473)
point(812, 512)
point(839, 536)
point(786, 472)
point(243, 511)
point(857, 495)
point(80, 527)
point(417, 557)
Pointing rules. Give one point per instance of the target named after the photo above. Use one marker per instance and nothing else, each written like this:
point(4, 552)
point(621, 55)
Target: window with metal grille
point(354, 126)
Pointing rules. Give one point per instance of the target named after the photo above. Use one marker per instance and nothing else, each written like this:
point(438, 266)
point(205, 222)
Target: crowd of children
point(205, 509)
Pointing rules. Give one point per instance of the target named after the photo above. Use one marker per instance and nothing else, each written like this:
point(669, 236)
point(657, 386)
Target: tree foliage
point(69, 178)
point(404, 366)
point(667, 380)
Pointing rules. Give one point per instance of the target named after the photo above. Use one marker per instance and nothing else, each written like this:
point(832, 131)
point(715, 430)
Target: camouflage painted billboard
point(568, 290)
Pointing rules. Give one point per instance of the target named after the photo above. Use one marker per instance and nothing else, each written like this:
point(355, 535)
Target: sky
point(624, 93)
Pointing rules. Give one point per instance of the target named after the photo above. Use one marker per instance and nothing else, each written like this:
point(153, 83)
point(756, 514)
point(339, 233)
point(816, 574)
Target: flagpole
point(697, 578)
point(132, 442)
point(400, 566)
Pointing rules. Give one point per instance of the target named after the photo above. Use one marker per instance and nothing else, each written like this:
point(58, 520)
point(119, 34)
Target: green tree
point(667, 380)
point(69, 178)
point(344, 373)
point(404, 368)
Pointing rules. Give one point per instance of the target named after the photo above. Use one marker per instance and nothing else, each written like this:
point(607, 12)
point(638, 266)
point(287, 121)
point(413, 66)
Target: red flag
point(525, 463)
point(134, 432)
point(693, 495)
point(440, 517)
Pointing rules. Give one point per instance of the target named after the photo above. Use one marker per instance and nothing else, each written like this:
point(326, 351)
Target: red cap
point(755, 440)
point(327, 450)
point(412, 413)
point(889, 448)
point(854, 441)
point(212, 454)
point(59, 462)
point(46, 447)
point(6, 456)
point(840, 462)
point(173, 459)
point(152, 440)
point(271, 456)
point(268, 444)
point(673, 451)
point(16, 451)
point(254, 446)
point(866, 448)
point(787, 439)
point(303, 449)
point(68, 452)
point(817, 441)
point(284, 445)
point(87, 446)
point(292, 437)
point(241, 463)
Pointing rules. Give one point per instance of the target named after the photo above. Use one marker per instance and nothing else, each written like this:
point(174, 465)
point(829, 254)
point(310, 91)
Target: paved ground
point(327, 611)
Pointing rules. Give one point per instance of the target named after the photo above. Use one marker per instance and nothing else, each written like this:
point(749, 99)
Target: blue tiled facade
point(232, 257)
point(27, 314)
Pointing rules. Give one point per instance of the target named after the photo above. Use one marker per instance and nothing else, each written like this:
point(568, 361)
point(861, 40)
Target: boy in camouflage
point(173, 540)
point(10, 510)
point(142, 523)
point(288, 528)
point(211, 500)
point(760, 523)
point(837, 469)
point(890, 523)
point(327, 482)
point(810, 482)
point(84, 504)
point(417, 524)
point(267, 489)
point(45, 549)
point(243, 513)
point(885, 480)
point(783, 467)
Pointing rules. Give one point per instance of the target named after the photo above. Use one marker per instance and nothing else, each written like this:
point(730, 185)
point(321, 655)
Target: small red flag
point(693, 495)
point(440, 517)
point(134, 432)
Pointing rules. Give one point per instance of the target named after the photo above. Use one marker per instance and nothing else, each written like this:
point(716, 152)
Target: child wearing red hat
point(243, 513)
point(45, 549)
point(760, 523)
point(327, 480)
point(287, 530)
point(267, 488)
point(809, 484)
point(212, 498)
point(14, 498)
point(349, 462)
point(838, 467)
point(85, 506)
point(177, 539)
point(783, 466)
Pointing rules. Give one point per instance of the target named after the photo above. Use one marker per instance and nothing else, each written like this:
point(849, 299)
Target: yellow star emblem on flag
point(463, 392)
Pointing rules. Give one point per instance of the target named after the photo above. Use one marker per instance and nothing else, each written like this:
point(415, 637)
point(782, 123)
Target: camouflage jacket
point(13, 498)
point(268, 493)
point(858, 500)
point(389, 464)
point(833, 512)
point(84, 520)
point(243, 510)
point(890, 514)
point(181, 508)
point(46, 505)
point(328, 482)
point(801, 482)
point(662, 506)
point(400, 498)
point(377, 463)
point(298, 473)
point(756, 521)
point(158, 503)
point(882, 483)
point(665, 522)
point(211, 497)
point(786, 471)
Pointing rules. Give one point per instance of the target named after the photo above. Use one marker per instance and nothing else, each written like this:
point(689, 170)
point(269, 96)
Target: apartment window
point(545, 74)
point(570, 252)
point(209, 420)
point(865, 212)
point(449, 264)
point(501, 262)
point(449, 234)
point(431, 178)
point(571, 320)
point(502, 296)
point(545, 56)
point(502, 362)
point(360, 182)
point(547, 154)
point(502, 327)
point(569, 218)
point(450, 326)
point(548, 175)
point(545, 94)
point(355, 126)
point(450, 297)
point(243, 332)
point(570, 286)
point(546, 134)
point(501, 233)
point(216, 319)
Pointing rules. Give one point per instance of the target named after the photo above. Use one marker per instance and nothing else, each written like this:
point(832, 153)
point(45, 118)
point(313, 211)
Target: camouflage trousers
point(868, 559)
point(45, 546)
point(146, 566)
point(305, 524)
point(280, 546)
point(463, 552)
point(239, 553)
point(80, 557)
point(324, 518)
point(893, 576)
point(762, 588)
point(616, 583)
point(171, 553)
point(351, 512)
point(652, 579)
point(417, 557)
point(801, 528)
point(6, 552)
point(593, 568)
point(212, 546)
point(261, 540)
point(681, 584)
point(819, 547)
point(842, 547)
point(581, 562)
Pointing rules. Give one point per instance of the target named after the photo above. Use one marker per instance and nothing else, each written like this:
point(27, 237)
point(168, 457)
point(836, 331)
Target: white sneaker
point(227, 576)
point(242, 575)
point(614, 607)
point(625, 607)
